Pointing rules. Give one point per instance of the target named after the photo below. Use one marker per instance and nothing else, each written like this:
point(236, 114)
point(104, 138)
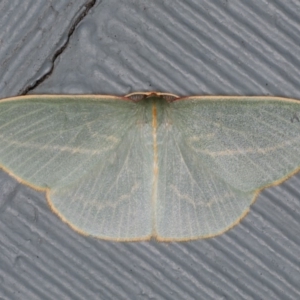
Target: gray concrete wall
point(223, 47)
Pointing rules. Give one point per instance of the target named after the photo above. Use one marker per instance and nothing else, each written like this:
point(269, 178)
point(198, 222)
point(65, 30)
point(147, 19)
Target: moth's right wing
point(217, 154)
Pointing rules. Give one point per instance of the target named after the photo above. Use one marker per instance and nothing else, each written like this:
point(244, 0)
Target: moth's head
point(136, 97)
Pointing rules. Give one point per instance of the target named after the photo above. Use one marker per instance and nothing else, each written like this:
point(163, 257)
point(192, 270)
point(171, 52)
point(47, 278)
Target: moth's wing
point(217, 154)
point(90, 154)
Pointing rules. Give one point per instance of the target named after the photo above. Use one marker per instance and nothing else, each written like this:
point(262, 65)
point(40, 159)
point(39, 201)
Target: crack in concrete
point(59, 51)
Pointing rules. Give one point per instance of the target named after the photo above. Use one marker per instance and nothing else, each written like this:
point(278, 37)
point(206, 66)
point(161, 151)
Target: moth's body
point(150, 165)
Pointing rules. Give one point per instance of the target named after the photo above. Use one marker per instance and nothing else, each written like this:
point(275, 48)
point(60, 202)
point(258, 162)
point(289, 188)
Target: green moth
point(150, 164)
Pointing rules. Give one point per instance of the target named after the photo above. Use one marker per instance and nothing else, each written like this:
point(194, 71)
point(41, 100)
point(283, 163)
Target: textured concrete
point(32, 33)
point(193, 47)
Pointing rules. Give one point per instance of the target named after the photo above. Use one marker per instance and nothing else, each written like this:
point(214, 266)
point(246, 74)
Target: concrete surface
point(223, 47)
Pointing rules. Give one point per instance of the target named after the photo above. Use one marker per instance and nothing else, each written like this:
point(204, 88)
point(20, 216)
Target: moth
point(150, 165)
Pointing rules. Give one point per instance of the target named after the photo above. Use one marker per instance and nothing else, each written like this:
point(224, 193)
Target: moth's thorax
point(155, 121)
point(155, 108)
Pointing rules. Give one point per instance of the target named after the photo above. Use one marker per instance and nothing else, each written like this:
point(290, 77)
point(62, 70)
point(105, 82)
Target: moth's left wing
point(91, 155)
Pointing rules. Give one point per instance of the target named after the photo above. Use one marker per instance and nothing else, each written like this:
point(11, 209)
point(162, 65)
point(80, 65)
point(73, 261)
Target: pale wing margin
point(224, 151)
point(81, 149)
